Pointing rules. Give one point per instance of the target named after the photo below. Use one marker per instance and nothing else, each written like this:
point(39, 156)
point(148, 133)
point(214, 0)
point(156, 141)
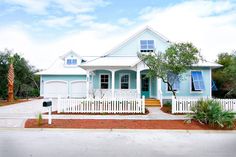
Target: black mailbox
point(47, 103)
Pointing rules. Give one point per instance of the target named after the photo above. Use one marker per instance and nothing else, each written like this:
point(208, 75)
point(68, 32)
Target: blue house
point(120, 73)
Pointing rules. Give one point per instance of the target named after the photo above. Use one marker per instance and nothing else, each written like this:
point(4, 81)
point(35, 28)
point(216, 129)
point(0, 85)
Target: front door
point(145, 86)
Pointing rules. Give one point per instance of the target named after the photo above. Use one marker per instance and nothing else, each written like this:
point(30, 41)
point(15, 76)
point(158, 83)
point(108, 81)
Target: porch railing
point(184, 105)
point(118, 93)
point(115, 105)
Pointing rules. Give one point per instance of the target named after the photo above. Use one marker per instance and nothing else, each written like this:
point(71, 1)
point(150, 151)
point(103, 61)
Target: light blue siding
point(131, 47)
point(132, 75)
point(96, 78)
point(185, 85)
point(153, 87)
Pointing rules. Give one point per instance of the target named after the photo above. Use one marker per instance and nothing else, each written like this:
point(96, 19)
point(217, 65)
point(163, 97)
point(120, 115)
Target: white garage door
point(53, 89)
point(78, 89)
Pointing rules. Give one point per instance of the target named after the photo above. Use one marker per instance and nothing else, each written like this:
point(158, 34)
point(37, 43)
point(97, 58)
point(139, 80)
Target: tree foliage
point(26, 84)
point(225, 76)
point(176, 60)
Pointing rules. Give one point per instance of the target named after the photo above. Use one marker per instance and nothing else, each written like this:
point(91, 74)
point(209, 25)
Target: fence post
point(143, 104)
point(58, 105)
point(173, 106)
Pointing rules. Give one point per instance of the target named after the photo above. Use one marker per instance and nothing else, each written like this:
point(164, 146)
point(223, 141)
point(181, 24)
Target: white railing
point(118, 93)
point(184, 105)
point(101, 105)
point(126, 93)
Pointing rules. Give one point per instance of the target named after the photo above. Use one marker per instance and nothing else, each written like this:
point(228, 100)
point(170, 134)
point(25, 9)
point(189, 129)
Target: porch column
point(113, 83)
point(159, 91)
point(138, 83)
point(87, 83)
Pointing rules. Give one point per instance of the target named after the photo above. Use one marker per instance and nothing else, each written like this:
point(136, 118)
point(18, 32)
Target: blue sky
point(43, 30)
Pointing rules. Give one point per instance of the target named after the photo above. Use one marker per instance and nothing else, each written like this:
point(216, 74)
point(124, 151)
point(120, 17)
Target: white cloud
point(211, 26)
point(71, 6)
point(38, 6)
point(83, 17)
point(80, 6)
point(57, 21)
point(125, 21)
point(93, 41)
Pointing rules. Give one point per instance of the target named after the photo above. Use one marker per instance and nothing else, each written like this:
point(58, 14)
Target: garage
point(78, 89)
point(53, 89)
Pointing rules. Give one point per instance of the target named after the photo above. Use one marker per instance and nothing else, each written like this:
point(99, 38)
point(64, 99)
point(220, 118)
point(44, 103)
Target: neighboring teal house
point(120, 73)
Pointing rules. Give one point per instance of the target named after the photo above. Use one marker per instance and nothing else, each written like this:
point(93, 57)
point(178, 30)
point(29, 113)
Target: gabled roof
point(58, 67)
point(109, 59)
point(69, 53)
point(125, 42)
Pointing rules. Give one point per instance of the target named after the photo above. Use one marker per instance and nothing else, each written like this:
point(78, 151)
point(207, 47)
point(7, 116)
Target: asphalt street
point(116, 143)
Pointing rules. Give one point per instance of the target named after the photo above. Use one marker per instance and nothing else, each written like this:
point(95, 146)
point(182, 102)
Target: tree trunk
point(10, 83)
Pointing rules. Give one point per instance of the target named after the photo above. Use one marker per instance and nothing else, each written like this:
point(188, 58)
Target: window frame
point(101, 80)
point(146, 50)
point(191, 82)
point(122, 74)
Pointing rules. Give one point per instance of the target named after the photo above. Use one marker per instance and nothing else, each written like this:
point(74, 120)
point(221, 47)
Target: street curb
point(118, 130)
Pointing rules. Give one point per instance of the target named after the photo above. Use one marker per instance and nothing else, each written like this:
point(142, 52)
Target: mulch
point(119, 124)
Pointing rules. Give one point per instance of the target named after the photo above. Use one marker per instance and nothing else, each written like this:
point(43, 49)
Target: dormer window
point(146, 45)
point(71, 61)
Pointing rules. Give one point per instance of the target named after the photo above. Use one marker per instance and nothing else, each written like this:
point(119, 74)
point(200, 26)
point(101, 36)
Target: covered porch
point(126, 83)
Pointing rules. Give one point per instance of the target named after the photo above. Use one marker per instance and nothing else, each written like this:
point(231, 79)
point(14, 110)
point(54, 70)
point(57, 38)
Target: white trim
point(154, 46)
point(56, 80)
point(109, 77)
point(120, 75)
point(191, 82)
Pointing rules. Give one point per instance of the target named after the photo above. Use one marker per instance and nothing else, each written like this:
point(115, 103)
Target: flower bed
point(118, 124)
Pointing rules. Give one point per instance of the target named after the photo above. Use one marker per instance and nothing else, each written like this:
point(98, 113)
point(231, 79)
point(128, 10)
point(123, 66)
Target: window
point(174, 80)
point(104, 81)
point(197, 83)
point(146, 45)
point(124, 81)
point(71, 61)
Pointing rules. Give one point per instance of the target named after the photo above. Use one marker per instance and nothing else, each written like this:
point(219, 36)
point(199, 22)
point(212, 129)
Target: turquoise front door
point(145, 86)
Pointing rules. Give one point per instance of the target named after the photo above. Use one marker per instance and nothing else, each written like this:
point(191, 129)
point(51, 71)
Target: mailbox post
point(48, 104)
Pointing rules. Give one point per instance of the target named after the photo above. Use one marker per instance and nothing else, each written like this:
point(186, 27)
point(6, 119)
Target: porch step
point(152, 102)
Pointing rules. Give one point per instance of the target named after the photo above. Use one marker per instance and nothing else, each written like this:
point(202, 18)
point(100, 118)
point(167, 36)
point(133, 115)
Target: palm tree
point(10, 79)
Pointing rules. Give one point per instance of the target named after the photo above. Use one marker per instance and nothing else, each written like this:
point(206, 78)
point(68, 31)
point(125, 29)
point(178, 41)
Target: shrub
point(211, 113)
point(167, 104)
point(39, 119)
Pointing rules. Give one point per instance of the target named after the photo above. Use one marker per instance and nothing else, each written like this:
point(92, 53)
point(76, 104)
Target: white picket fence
point(101, 105)
point(184, 105)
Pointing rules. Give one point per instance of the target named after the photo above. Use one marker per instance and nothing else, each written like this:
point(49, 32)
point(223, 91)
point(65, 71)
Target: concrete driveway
point(15, 115)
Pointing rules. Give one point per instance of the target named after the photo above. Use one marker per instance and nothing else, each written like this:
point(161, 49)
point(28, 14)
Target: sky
point(43, 30)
